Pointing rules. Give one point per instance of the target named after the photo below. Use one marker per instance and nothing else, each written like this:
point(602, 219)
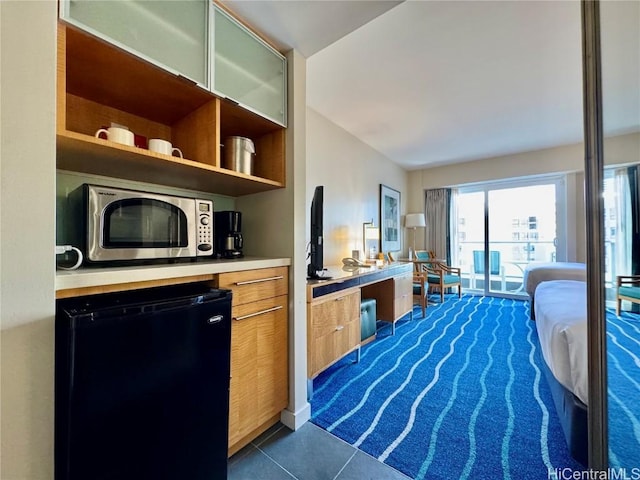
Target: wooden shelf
point(83, 153)
point(99, 83)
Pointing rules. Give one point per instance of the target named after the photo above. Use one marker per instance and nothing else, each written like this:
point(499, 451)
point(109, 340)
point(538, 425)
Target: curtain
point(627, 239)
point(437, 233)
point(623, 237)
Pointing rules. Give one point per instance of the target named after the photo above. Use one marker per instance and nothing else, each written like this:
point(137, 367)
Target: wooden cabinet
point(173, 35)
point(333, 329)
point(246, 69)
point(99, 84)
point(197, 40)
point(259, 346)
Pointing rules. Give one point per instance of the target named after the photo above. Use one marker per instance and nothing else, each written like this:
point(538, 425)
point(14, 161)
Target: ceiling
point(428, 83)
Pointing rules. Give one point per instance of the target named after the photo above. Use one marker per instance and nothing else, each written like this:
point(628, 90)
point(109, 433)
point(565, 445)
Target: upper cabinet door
point(172, 33)
point(247, 70)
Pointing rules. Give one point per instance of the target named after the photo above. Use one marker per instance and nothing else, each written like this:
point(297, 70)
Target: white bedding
point(561, 321)
point(536, 273)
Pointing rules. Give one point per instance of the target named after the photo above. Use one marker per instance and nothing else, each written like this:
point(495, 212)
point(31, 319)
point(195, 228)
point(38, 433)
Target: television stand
point(319, 278)
point(313, 274)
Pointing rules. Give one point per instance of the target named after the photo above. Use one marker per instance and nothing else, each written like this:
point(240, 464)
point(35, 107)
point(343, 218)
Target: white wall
point(617, 150)
point(566, 159)
point(351, 173)
point(27, 223)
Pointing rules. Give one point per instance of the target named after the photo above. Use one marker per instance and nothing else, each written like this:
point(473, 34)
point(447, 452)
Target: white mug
point(162, 146)
point(117, 134)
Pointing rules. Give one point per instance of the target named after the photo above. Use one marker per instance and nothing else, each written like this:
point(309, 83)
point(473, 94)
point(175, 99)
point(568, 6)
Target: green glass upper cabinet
point(172, 34)
point(247, 70)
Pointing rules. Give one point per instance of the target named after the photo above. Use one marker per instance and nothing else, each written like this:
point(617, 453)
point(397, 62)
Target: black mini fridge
point(142, 385)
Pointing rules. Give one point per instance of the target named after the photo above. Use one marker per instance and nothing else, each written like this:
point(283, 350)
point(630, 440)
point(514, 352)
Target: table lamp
point(371, 235)
point(413, 221)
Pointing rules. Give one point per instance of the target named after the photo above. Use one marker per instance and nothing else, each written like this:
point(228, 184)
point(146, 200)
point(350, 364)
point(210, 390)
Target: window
point(517, 222)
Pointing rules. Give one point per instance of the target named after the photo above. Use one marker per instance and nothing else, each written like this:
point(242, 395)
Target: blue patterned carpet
point(623, 369)
point(457, 395)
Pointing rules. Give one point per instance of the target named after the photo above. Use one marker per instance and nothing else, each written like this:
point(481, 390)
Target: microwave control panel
point(205, 227)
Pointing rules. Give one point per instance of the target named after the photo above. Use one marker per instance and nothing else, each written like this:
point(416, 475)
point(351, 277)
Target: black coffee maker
point(228, 235)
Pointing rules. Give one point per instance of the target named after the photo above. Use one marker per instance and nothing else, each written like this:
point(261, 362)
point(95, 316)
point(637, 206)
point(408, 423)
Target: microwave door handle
point(171, 227)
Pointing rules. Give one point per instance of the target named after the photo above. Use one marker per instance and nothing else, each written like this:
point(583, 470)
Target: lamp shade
point(372, 233)
point(413, 220)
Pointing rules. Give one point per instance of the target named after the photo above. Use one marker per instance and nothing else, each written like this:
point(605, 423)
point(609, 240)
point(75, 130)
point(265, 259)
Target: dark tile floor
point(309, 453)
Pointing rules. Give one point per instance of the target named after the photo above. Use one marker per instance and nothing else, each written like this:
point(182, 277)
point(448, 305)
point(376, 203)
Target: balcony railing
point(507, 273)
point(507, 277)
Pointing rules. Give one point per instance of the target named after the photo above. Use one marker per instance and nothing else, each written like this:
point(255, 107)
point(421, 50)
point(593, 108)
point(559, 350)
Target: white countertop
point(97, 276)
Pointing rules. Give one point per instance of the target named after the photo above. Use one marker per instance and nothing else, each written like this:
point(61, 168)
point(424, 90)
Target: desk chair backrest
point(423, 255)
point(494, 262)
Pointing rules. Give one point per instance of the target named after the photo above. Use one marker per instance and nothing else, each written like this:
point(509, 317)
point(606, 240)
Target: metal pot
point(238, 154)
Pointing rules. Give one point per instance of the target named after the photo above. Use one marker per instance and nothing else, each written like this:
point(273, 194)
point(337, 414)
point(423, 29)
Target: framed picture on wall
point(389, 219)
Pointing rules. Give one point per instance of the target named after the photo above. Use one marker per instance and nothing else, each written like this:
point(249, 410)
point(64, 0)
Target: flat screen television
point(316, 267)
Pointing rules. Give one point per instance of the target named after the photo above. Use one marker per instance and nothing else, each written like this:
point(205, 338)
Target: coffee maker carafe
point(228, 234)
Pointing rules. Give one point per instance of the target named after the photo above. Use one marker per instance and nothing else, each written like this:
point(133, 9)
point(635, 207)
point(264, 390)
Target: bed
point(536, 273)
point(561, 323)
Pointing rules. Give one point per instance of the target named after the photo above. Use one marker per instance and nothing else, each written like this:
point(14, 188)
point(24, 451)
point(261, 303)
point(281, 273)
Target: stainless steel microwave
point(121, 224)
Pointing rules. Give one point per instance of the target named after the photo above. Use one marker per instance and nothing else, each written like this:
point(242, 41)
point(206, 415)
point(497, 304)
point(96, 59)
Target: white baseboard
point(294, 420)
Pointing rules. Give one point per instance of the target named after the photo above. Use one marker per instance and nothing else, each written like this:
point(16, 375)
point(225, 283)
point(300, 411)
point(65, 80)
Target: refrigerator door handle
point(215, 319)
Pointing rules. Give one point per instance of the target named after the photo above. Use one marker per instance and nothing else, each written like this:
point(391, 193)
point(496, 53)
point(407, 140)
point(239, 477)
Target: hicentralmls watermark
point(609, 474)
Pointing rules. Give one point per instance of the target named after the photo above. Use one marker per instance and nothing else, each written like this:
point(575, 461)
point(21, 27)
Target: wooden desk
point(333, 308)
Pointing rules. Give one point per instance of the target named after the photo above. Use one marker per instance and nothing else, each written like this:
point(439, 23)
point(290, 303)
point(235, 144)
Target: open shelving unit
point(99, 84)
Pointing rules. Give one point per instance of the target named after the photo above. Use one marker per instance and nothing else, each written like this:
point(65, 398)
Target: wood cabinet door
point(259, 365)
point(243, 388)
point(272, 357)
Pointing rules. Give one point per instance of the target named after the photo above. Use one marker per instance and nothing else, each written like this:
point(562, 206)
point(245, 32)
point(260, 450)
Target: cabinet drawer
point(264, 307)
point(403, 285)
point(329, 315)
point(403, 305)
point(253, 285)
point(403, 301)
point(330, 347)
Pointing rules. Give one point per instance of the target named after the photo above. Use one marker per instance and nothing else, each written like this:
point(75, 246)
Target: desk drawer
point(328, 348)
point(331, 315)
point(253, 285)
point(403, 293)
point(333, 329)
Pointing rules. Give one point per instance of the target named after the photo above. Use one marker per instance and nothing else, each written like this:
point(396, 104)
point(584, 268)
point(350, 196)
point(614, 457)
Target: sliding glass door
point(504, 227)
point(470, 237)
